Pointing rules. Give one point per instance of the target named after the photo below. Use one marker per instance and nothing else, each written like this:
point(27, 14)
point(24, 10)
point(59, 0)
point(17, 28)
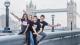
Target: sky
point(17, 6)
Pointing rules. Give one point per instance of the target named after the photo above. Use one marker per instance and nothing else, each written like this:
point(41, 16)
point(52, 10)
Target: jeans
point(35, 39)
point(43, 36)
point(23, 28)
point(30, 38)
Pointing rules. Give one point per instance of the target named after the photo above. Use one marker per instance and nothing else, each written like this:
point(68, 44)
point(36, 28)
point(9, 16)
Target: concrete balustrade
point(53, 38)
point(62, 34)
point(12, 40)
point(62, 38)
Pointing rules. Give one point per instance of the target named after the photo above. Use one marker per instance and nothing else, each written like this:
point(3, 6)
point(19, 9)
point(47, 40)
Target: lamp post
point(71, 26)
point(52, 23)
point(7, 4)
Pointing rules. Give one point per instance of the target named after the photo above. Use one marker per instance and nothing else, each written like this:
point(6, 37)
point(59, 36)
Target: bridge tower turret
point(31, 7)
point(71, 15)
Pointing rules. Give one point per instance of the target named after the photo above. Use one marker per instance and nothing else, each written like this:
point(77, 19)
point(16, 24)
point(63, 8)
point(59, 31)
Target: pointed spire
point(30, 4)
point(72, 1)
point(35, 6)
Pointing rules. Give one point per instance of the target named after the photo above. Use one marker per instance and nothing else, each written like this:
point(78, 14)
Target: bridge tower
point(71, 15)
point(31, 7)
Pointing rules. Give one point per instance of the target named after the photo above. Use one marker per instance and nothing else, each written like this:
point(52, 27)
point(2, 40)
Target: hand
point(41, 24)
point(36, 34)
point(24, 11)
point(24, 33)
point(35, 26)
point(12, 13)
point(58, 25)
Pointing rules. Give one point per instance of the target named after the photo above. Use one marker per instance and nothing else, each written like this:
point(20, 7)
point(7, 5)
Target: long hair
point(26, 16)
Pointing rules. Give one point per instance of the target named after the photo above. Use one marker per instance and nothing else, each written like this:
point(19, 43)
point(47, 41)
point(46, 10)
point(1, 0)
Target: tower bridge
point(52, 38)
point(70, 10)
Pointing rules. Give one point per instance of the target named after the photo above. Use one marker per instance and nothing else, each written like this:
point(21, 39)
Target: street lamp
point(52, 23)
point(7, 4)
point(71, 26)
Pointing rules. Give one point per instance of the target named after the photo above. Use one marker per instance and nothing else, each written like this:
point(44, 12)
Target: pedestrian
point(36, 27)
point(23, 21)
point(43, 23)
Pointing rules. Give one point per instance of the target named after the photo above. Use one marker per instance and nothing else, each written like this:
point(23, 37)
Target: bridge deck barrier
point(62, 34)
point(62, 38)
point(52, 38)
point(12, 40)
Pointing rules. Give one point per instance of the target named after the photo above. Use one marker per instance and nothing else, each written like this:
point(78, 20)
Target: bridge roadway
point(52, 38)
